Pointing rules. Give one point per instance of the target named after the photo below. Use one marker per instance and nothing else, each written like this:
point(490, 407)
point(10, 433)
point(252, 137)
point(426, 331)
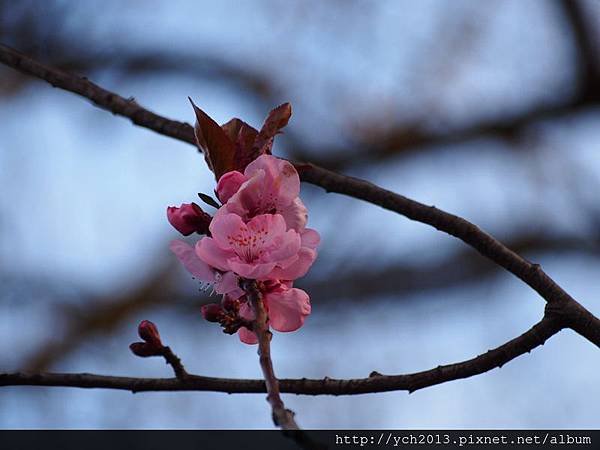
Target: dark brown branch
point(173, 360)
point(536, 336)
point(282, 416)
point(579, 319)
point(530, 273)
point(100, 97)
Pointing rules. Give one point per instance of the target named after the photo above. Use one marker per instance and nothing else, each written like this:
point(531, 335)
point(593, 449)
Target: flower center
point(249, 246)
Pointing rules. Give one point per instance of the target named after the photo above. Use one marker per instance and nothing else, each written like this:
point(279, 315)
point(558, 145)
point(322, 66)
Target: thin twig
point(497, 357)
point(175, 362)
point(282, 416)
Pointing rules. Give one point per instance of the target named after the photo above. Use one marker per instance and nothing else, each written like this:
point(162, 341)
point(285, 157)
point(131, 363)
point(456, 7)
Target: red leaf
point(275, 121)
point(218, 148)
point(244, 137)
point(235, 127)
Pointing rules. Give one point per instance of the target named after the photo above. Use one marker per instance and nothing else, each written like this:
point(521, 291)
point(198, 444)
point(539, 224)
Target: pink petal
point(191, 262)
point(288, 309)
point(310, 238)
point(281, 177)
point(252, 197)
point(229, 184)
point(286, 246)
point(295, 215)
point(245, 335)
point(257, 244)
point(224, 227)
point(213, 255)
point(227, 283)
point(299, 268)
point(271, 226)
point(255, 271)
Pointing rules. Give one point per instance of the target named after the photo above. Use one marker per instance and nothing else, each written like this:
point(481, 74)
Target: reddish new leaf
point(235, 126)
point(218, 148)
point(235, 144)
point(244, 136)
point(275, 121)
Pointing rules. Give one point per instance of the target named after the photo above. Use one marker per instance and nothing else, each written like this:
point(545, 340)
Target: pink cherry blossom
point(309, 240)
point(259, 233)
point(287, 308)
point(269, 185)
point(252, 250)
point(188, 218)
point(223, 282)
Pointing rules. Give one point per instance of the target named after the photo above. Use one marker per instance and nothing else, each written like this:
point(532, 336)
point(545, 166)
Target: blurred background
point(489, 110)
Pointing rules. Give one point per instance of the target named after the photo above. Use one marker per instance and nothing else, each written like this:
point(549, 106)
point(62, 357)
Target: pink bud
point(188, 218)
point(212, 312)
point(149, 333)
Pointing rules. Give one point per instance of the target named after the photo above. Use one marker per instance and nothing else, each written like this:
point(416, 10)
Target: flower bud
point(149, 333)
point(188, 218)
point(144, 349)
point(212, 312)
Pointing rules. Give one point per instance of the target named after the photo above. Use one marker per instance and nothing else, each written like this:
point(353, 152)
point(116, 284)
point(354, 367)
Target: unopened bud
point(144, 349)
point(149, 333)
point(189, 218)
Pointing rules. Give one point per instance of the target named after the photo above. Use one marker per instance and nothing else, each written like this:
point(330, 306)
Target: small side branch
point(282, 416)
point(175, 362)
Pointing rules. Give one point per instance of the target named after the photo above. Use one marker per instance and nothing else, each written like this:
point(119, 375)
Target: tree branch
point(100, 97)
point(173, 360)
point(530, 273)
point(536, 336)
point(577, 317)
point(282, 416)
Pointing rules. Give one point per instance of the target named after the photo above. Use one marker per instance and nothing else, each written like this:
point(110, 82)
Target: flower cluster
point(258, 233)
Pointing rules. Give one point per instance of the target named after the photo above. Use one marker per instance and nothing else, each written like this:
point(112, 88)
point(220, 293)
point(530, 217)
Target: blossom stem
point(282, 417)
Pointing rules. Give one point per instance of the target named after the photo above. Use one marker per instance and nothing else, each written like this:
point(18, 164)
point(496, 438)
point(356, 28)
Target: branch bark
point(530, 273)
point(536, 336)
point(173, 360)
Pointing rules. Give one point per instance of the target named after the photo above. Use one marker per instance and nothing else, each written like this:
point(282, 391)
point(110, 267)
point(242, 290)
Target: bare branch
point(532, 274)
point(99, 96)
point(536, 336)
